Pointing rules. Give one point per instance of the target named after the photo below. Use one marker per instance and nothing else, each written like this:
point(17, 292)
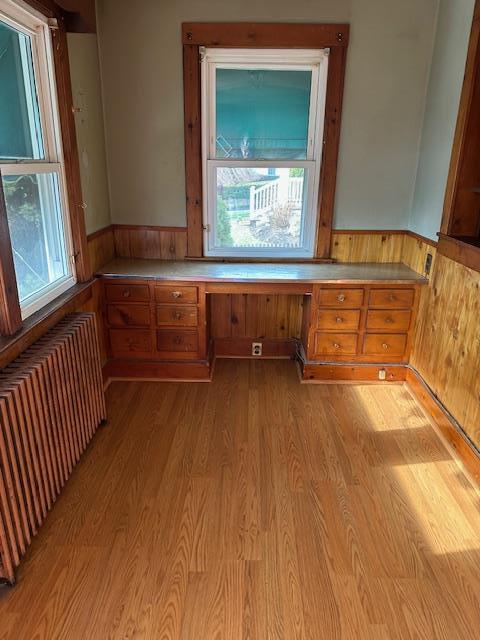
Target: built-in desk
point(358, 319)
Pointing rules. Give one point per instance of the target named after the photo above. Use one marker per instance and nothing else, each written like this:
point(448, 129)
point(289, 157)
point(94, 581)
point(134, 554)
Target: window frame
point(52, 84)
point(314, 61)
point(248, 35)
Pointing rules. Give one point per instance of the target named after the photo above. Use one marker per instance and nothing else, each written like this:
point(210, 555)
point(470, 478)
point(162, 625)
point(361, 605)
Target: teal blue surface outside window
point(262, 114)
point(20, 133)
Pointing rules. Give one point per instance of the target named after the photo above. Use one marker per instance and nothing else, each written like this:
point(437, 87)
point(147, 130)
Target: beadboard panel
point(446, 350)
point(101, 247)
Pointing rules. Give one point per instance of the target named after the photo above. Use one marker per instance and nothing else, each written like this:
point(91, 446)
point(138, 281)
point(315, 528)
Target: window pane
point(20, 133)
point(259, 207)
point(36, 230)
point(262, 114)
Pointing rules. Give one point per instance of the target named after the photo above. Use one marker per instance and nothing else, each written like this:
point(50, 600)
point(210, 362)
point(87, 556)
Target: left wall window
point(31, 162)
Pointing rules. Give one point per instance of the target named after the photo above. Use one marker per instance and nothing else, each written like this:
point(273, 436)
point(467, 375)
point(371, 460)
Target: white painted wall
point(87, 96)
point(445, 85)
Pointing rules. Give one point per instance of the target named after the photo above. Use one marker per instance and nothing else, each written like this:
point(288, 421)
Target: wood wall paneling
point(164, 243)
point(101, 247)
point(367, 246)
point(446, 349)
point(415, 250)
point(256, 316)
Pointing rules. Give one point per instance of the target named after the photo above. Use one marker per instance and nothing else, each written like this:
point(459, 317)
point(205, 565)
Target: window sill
point(43, 320)
point(466, 253)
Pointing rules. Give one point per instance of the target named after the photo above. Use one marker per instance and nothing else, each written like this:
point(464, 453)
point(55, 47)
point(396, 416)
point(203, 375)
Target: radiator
point(51, 403)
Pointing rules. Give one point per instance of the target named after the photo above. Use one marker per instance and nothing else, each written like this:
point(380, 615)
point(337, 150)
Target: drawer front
point(127, 292)
point(130, 341)
point(171, 316)
point(128, 315)
point(384, 344)
point(178, 294)
point(336, 344)
point(177, 341)
point(348, 298)
point(338, 320)
point(400, 298)
point(385, 320)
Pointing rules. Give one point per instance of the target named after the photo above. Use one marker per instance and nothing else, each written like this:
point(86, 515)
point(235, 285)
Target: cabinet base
point(327, 372)
point(197, 371)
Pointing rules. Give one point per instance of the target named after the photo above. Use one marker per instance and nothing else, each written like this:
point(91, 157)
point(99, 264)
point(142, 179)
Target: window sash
point(35, 25)
point(315, 61)
point(45, 295)
point(306, 250)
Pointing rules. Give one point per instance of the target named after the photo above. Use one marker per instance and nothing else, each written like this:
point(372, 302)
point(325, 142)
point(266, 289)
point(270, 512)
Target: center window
point(263, 114)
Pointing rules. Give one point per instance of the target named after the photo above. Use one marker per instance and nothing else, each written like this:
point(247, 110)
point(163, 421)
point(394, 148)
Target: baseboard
point(452, 433)
point(242, 348)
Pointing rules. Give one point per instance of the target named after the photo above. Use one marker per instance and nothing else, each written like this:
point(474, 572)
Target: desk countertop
point(206, 271)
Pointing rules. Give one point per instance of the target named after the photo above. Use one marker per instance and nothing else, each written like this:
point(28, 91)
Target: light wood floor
point(255, 508)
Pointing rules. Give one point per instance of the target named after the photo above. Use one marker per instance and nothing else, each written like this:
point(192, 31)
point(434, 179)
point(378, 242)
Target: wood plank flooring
point(256, 508)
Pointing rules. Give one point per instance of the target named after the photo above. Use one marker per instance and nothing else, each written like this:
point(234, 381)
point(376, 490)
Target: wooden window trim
point(262, 35)
point(10, 313)
point(461, 130)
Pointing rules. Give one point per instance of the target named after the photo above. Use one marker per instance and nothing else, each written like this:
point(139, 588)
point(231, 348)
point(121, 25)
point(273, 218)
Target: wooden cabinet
point(368, 324)
point(155, 322)
point(163, 324)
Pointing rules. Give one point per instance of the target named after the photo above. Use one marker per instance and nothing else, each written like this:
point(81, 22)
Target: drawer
point(179, 341)
point(178, 294)
point(338, 320)
point(400, 298)
point(348, 298)
point(384, 344)
point(336, 343)
point(130, 341)
point(127, 292)
point(128, 315)
point(386, 320)
point(171, 316)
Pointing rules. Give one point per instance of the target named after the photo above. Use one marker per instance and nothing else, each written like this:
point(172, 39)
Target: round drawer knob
point(389, 320)
point(177, 340)
point(178, 315)
point(341, 298)
point(336, 345)
point(177, 294)
point(385, 346)
point(392, 297)
point(338, 320)
point(126, 293)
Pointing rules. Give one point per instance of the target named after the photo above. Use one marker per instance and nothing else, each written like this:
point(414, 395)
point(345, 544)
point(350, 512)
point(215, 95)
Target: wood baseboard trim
point(360, 373)
point(242, 348)
point(157, 371)
point(450, 430)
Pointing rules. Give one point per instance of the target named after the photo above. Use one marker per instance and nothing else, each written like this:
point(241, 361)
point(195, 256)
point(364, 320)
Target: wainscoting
point(446, 351)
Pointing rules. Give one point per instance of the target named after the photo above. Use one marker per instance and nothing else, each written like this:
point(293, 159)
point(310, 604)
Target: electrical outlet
point(428, 264)
point(256, 348)
point(382, 374)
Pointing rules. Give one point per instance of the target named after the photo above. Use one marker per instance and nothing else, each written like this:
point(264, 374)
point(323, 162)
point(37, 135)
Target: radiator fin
point(51, 403)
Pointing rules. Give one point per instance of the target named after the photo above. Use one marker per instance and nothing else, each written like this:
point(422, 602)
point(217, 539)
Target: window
point(262, 128)
point(31, 162)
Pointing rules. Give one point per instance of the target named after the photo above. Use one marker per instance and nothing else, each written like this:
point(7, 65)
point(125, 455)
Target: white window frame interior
point(314, 60)
point(30, 22)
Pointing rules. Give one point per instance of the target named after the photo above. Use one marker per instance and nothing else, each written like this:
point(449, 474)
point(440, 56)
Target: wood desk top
point(206, 271)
